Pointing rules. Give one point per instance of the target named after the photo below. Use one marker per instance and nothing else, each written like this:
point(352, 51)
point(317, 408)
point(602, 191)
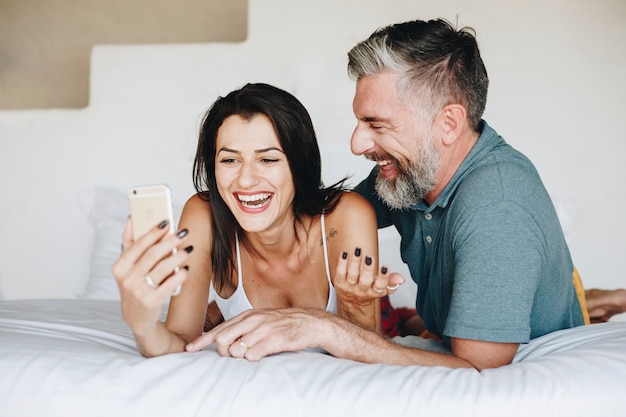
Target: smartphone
point(149, 206)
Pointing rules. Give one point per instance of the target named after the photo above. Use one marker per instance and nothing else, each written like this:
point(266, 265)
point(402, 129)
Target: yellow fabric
point(580, 292)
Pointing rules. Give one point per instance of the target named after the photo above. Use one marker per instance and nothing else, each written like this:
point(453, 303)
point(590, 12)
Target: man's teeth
point(383, 163)
point(254, 200)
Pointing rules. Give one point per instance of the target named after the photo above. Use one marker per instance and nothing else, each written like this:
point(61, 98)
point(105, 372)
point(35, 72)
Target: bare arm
point(354, 250)
point(367, 347)
point(266, 332)
point(187, 311)
point(146, 274)
point(142, 302)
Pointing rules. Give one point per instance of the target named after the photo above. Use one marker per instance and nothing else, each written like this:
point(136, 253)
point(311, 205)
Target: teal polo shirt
point(489, 256)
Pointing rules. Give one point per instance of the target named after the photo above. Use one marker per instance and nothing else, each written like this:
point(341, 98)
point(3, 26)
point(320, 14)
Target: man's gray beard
point(410, 185)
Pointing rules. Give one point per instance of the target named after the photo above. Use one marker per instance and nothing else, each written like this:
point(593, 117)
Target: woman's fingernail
point(368, 260)
point(182, 233)
point(344, 255)
point(189, 347)
point(357, 252)
point(163, 224)
point(188, 249)
point(384, 270)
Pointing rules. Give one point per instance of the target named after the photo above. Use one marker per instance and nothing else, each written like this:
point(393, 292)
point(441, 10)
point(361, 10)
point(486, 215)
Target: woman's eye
point(269, 160)
point(228, 161)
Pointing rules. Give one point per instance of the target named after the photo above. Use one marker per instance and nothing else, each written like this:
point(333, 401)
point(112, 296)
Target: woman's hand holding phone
point(150, 268)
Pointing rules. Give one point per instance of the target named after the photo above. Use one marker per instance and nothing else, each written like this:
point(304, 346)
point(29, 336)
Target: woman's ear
point(453, 119)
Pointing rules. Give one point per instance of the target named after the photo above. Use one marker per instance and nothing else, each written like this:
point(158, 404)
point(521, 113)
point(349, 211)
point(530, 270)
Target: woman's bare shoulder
point(196, 210)
point(197, 203)
point(351, 208)
point(352, 203)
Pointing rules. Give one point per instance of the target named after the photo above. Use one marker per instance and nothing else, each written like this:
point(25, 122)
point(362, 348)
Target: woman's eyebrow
point(227, 150)
point(271, 148)
point(263, 150)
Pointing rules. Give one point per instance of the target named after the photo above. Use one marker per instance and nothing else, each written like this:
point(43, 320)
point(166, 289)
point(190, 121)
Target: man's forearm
point(345, 340)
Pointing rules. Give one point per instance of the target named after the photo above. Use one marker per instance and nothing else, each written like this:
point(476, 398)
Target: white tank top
point(238, 302)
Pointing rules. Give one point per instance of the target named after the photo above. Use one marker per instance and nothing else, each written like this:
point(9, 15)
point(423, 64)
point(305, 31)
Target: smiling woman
point(249, 156)
point(261, 232)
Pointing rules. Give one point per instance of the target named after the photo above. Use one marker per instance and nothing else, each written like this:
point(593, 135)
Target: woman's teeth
point(254, 200)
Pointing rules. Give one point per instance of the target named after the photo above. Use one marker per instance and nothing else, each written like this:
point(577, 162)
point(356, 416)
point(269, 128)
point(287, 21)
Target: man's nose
point(361, 141)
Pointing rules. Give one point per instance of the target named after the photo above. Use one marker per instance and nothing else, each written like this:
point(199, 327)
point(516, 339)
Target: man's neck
point(450, 161)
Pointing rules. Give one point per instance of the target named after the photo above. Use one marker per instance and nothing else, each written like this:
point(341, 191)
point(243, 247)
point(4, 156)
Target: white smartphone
point(149, 206)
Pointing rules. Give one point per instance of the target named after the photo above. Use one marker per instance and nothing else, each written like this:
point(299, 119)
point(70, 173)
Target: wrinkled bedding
point(78, 358)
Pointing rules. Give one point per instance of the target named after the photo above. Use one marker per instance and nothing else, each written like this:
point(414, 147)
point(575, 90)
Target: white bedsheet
point(78, 358)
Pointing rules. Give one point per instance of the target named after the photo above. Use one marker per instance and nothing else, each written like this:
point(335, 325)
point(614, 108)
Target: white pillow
point(107, 210)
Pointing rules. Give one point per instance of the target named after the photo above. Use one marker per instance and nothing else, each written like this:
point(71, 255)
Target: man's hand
point(257, 333)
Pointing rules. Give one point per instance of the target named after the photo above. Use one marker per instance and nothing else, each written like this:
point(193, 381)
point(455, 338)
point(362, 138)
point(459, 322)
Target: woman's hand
point(360, 285)
point(357, 281)
point(147, 274)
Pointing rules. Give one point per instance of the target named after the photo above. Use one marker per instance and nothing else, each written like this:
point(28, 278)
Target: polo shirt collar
point(487, 140)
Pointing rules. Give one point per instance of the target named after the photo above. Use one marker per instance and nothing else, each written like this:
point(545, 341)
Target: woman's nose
point(248, 175)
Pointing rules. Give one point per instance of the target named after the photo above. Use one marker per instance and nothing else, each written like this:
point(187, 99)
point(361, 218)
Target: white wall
point(557, 86)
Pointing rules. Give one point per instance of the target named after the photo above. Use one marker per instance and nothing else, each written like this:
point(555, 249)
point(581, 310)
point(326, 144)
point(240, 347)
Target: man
point(479, 232)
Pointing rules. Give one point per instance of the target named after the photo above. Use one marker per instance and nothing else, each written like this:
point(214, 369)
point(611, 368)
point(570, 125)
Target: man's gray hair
point(436, 65)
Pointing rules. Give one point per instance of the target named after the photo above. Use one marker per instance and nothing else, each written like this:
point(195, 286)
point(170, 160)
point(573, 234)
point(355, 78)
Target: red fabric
point(393, 319)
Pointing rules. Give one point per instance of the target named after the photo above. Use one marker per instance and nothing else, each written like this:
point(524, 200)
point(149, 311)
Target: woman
point(262, 231)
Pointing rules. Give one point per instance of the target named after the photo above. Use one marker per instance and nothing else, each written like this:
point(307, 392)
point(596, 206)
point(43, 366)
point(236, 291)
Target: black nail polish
point(384, 270)
point(344, 255)
point(163, 224)
point(182, 233)
point(357, 252)
point(188, 249)
point(368, 260)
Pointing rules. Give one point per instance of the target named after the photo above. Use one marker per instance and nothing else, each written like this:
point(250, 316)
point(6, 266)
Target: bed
point(78, 358)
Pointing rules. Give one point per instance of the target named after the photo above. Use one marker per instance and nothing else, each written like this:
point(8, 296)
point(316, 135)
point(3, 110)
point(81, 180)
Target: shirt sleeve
point(498, 262)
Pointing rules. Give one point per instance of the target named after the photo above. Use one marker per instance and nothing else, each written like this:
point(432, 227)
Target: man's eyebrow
point(375, 119)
